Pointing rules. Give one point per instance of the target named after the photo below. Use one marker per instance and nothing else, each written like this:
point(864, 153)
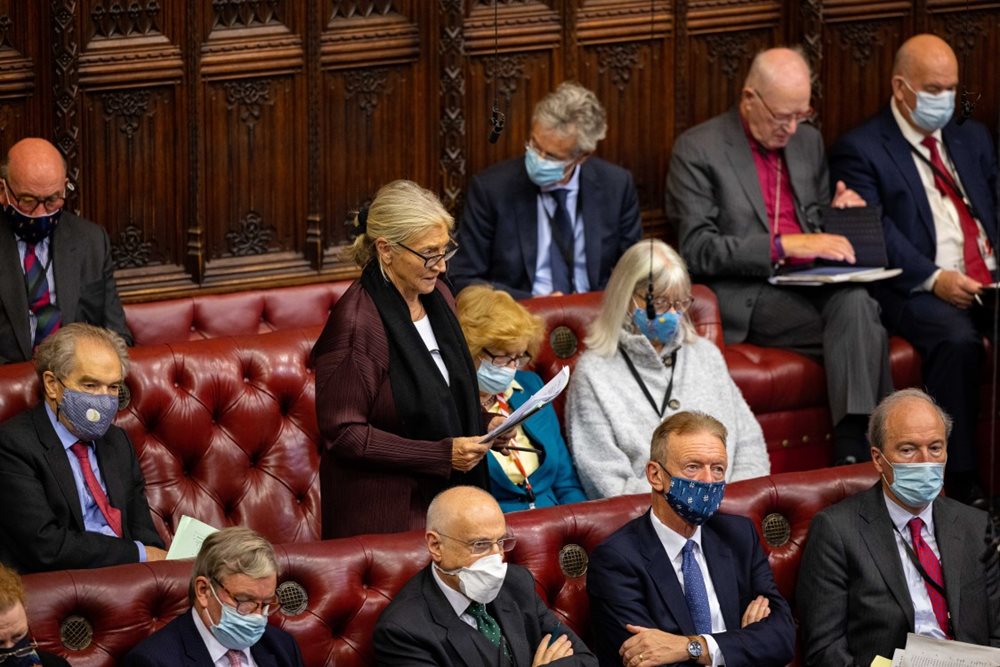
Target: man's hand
point(648, 647)
point(827, 246)
point(152, 553)
point(550, 652)
point(467, 452)
point(846, 198)
point(956, 288)
point(758, 609)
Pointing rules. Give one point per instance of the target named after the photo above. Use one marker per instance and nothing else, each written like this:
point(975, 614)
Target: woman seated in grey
point(638, 371)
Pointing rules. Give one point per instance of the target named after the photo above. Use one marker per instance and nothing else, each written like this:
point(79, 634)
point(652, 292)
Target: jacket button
point(749, 303)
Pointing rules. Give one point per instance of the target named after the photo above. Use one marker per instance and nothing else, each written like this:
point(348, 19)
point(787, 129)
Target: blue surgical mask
point(916, 484)
point(30, 229)
point(235, 630)
point(494, 379)
point(662, 329)
point(693, 500)
point(541, 171)
point(89, 415)
point(21, 654)
point(933, 111)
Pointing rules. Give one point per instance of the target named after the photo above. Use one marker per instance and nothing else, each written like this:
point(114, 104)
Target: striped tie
point(47, 315)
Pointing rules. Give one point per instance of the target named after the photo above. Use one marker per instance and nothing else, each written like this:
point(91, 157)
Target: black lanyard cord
point(645, 390)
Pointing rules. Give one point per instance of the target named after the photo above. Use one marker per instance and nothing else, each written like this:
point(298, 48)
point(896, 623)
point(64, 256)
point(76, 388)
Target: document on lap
point(188, 538)
point(923, 651)
point(538, 400)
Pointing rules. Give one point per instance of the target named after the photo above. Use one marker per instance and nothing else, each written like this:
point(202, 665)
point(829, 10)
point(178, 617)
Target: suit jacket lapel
point(900, 152)
point(13, 292)
point(661, 571)
point(56, 457)
point(878, 533)
point(964, 161)
point(195, 651)
point(526, 224)
point(443, 614)
point(509, 618)
point(800, 164)
point(741, 160)
point(263, 656)
point(722, 568)
point(66, 268)
point(591, 196)
point(951, 547)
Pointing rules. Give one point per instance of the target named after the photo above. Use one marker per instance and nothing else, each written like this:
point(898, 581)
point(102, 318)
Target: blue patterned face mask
point(693, 500)
point(661, 329)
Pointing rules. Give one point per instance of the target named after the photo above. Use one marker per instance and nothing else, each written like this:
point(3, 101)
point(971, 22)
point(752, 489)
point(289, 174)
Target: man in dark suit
point(70, 484)
point(232, 592)
point(897, 558)
point(556, 221)
point(935, 180)
point(681, 583)
point(469, 607)
point(58, 265)
point(745, 190)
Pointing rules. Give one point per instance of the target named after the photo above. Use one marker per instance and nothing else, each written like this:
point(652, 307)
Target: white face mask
point(481, 581)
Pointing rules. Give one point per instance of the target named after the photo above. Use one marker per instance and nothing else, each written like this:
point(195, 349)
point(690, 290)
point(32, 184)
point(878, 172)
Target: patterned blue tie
point(694, 591)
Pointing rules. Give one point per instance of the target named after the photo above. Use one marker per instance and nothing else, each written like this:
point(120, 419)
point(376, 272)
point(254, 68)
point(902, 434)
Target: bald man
point(745, 190)
point(935, 179)
point(469, 607)
point(59, 264)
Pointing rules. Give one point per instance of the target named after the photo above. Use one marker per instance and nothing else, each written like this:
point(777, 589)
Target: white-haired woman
point(636, 373)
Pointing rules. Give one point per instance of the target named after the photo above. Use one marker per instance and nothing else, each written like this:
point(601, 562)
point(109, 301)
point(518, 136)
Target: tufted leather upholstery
point(348, 582)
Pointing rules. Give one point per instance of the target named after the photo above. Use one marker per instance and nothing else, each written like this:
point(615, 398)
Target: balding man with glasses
point(63, 262)
point(469, 607)
point(745, 190)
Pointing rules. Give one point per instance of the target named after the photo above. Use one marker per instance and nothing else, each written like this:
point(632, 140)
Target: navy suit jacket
point(630, 580)
point(498, 235)
point(84, 283)
point(876, 161)
point(178, 644)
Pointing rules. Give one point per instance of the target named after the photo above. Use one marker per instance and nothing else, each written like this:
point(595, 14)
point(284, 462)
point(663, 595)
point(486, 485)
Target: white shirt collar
point(456, 599)
point(672, 541)
point(909, 132)
point(215, 649)
point(900, 516)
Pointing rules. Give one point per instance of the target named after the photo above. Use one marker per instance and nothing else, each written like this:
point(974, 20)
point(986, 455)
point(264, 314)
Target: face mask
point(694, 501)
point(21, 654)
point(29, 229)
point(90, 415)
point(236, 631)
point(494, 379)
point(662, 329)
point(916, 484)
point(932, 111)
point(543, 172)
point(481, 581)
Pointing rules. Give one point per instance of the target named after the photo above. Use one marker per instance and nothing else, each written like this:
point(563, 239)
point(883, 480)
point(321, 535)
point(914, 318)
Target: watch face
point(694, 648)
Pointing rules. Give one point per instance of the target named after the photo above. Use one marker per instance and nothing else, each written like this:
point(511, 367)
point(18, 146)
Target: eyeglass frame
point(521, 360)
point(431, 260)
point(266, 607)
point(22, 652)
point(679, 306)
point(780, 121)
point(483, 547)
point(49, 203)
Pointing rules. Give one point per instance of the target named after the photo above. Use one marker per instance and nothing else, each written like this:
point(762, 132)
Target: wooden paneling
point(228, 143)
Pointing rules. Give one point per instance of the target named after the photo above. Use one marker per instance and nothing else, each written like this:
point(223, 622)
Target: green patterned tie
point(488, 626)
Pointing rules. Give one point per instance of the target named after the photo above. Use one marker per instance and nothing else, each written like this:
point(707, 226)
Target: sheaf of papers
point(188, 538)
point(928, 652)
point(539, 400)
point(824, 275)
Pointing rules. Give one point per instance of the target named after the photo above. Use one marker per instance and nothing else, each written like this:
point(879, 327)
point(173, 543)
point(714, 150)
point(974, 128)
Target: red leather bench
point(332, 592)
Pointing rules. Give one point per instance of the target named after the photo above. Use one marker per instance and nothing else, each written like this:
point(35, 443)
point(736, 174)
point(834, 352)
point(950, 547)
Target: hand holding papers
point(188, 538)
point(540, 399)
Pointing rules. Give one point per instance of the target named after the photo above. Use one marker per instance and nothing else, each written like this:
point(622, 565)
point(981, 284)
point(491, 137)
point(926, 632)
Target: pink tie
point(235, 657)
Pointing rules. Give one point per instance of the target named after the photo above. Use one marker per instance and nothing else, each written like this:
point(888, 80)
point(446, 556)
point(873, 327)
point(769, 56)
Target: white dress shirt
point(456, 599)
point(217, 651)
point(673, 544)
point(426, 332)
point(546, 212)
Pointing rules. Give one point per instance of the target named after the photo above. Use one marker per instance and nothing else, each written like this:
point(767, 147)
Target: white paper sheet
point(540, 399)
point(188, 537)
point(928, 652)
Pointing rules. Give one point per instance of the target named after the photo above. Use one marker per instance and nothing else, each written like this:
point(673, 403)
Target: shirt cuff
point(713, 651)
point(928, 285)
point(142, 551)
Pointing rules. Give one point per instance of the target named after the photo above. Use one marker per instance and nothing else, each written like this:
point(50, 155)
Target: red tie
point(47, 315)
point(112, 515)
point(975, 267)
point(932, 566)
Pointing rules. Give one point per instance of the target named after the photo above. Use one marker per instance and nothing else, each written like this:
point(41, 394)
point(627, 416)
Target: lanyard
point(949, 180)
point(528, 491)
point(667, 401)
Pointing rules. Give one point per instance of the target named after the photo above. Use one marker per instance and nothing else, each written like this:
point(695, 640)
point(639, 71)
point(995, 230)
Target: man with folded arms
point(898, 557)
point(469, 607)
point(683, 584)
point(70, 486)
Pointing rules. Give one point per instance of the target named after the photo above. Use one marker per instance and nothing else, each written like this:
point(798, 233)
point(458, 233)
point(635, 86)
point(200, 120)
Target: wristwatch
point(694, 648)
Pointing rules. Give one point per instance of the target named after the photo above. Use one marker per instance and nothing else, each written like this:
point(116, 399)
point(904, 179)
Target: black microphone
point(967, 106)
point(497, 119)
point(650, 308)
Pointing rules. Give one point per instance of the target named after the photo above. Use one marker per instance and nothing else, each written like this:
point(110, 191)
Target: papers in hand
point(825, 275)
point(538, 400)
point(929, 652)
point(188, 538)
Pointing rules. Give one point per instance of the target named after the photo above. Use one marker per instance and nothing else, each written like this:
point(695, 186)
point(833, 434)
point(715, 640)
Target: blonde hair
point(631, 274)
point(490, 317)
point(400, 212)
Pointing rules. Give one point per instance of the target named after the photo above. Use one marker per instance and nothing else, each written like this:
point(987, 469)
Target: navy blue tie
point(695, 593)
point(561, 252)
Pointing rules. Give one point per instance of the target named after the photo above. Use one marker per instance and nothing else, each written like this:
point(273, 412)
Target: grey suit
point(84, 283)
point(853, 601)
point(714, 197)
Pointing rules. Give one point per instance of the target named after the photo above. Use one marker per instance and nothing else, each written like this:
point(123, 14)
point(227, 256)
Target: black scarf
point(428, 408)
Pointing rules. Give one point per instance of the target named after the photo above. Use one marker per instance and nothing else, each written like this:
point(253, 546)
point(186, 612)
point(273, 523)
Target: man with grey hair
point(745, 190)
point(469, 607)
point(232, 592)
point(555, 221)
point(898, 557)
point(70, 484)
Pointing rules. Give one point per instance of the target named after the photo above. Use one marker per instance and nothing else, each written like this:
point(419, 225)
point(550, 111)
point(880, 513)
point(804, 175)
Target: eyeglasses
point(431, 260)
point(530, 145)
point(786, 119)
point(28, 203)
point(519, 360)
point(19, 651)
point(662, 304)
point(245, 606)
point(482, 547)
